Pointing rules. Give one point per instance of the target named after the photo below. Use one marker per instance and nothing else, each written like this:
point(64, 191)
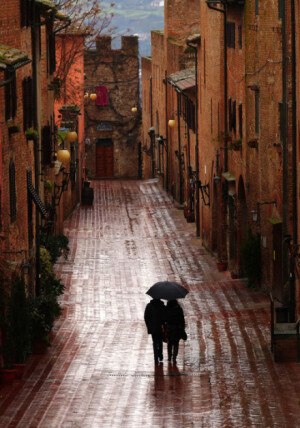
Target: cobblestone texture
point(99, 371)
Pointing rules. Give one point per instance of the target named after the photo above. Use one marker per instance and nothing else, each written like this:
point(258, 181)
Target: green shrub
point(56, 245)
point(250, 254)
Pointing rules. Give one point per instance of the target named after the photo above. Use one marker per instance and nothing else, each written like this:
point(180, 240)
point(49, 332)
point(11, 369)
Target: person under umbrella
point(175, 324)
point(154, 318)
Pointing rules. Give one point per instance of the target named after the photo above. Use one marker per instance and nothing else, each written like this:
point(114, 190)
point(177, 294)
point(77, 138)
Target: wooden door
point(277, 261)
point(104, 158)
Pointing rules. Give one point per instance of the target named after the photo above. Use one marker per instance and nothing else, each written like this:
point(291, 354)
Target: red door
point(104, 158)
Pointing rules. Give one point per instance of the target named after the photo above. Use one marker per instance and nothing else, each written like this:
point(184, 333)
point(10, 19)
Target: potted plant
point(31, 134)
point(45, 308)
point(13, 129)
point(278, 147)
point(222, 265)
point(7, 372)
point(253, 143)
point(19, 324)
point(236, 145)
point(250, 255)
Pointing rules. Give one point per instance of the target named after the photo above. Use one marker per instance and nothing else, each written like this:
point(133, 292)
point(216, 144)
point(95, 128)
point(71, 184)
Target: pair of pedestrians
point(167, 319)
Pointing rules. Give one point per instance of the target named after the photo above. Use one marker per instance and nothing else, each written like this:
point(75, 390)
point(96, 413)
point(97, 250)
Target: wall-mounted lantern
point(93, 96)
point(134, 109)
point(25, 266)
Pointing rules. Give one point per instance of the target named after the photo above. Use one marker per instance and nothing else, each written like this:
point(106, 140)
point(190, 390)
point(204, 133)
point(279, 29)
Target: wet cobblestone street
point(99, 371)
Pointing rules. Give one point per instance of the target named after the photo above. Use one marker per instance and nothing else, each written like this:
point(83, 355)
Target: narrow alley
point(99, 371)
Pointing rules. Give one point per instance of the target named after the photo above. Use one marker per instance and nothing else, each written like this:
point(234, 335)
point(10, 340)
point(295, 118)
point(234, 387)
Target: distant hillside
point(138, 17)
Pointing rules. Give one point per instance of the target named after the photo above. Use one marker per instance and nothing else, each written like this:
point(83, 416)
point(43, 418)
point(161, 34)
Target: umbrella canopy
point(167, 290)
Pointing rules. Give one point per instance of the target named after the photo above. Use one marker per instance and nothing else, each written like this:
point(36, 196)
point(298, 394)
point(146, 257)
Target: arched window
point(12, 191)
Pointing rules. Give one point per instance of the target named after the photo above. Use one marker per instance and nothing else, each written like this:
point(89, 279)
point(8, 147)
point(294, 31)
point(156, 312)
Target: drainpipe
point(166, 125)
point(36, 144)
point(285, 261)
point(189, 43)
point(225, 184)
point(294, 160)
point(224, 11)
point(179, 150)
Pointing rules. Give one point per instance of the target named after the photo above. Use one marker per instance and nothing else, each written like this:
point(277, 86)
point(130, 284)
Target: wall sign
point(105, 126)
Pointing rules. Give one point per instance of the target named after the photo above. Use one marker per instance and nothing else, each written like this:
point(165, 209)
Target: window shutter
point(241, 120)
point(234, 116)
point(12, 192)
point(51, 51)
point(229, 115)
point(7, 98)
point(46, 144)
point(240, 36)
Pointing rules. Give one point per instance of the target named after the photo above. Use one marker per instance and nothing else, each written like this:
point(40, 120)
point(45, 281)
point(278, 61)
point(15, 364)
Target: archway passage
point(105, 158)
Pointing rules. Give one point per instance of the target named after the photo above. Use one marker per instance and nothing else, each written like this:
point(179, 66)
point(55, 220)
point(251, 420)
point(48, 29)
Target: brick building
point(31, 181)
point(112, 129)
point(231, 157)
point(69, 114)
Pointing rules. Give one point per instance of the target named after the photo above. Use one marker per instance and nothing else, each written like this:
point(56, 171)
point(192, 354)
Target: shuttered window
point(12, 192)
point(27, 103)
point(46, 145)
point(188, 112)
point(25, 13)
point(230, 34)
point(230, 114)
point(51, 53)
point(241, 120)
point(0, 209)
point(257, 112)
point(240, 36)
point(234, 116)
point(10, 96)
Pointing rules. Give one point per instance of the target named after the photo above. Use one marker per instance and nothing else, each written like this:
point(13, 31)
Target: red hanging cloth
point(102, 96)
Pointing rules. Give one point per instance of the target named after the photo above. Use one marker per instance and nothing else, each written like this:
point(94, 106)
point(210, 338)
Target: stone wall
point(113, 124)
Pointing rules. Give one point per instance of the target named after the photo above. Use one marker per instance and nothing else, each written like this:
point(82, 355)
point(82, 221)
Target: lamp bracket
point(205, 193)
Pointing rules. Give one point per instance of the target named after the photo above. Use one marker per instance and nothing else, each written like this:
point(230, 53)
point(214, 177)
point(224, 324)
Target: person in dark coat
point(154, 318)
point(175, 325)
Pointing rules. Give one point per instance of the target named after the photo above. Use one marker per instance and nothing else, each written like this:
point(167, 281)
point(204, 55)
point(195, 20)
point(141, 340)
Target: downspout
point(179, 150)
point(209, 4)
point(166, 125)
point(285, 260)
point(36, 145)
point(152, 137)
point(197, 217)
point(294, 160)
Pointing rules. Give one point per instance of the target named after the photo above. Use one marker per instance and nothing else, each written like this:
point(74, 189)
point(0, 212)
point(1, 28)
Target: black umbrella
point(167, 290)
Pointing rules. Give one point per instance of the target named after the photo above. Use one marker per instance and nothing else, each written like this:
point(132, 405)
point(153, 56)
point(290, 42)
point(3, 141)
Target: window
point(27, 103)
point(280, 9)
point(25, 13)
point(281, 123)
point(241, 120)
point(240, 37)
point(46, 145)
point(51, 53)
point(204, 64)
point(230, 34)
point(188, 113)
point(0, 210)
point(234, 116)
point(230, 114)
point(12, 192)
point(257, 112)
point(256, 7)
point(10, 96)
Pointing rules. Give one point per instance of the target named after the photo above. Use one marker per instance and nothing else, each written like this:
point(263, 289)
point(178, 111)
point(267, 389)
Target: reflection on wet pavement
point(99, 371)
